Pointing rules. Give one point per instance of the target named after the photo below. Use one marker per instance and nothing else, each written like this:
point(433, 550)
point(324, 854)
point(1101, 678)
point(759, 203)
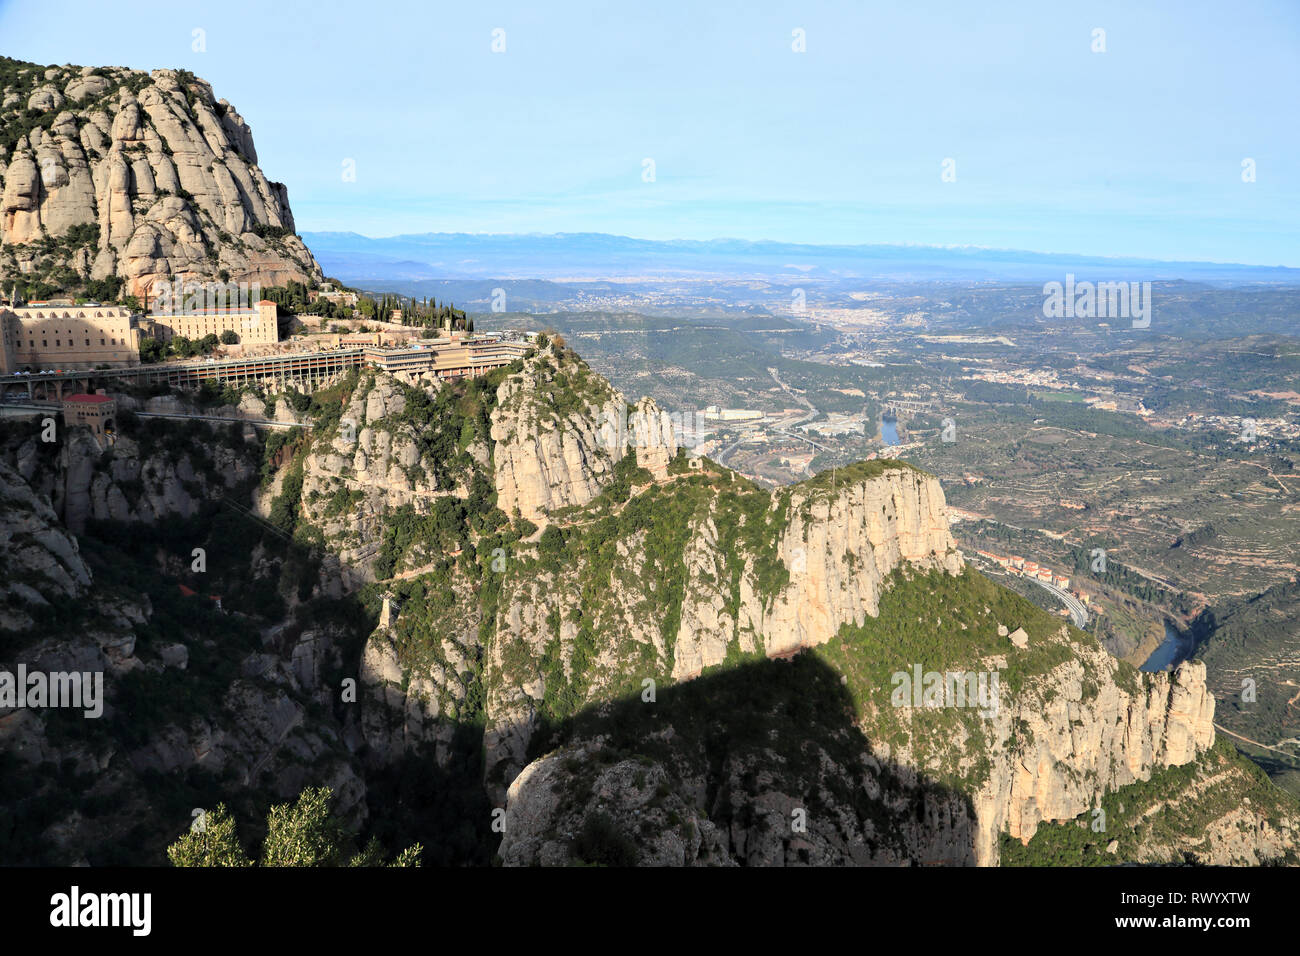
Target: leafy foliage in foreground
point(297, 834)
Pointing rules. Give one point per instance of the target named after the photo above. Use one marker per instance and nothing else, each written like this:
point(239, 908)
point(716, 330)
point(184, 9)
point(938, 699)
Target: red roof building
point(96, 412)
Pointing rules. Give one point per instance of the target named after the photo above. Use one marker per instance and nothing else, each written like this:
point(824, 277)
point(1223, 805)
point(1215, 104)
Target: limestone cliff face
point(650, 431)
point(91, 480)
point(1073, 730)
point(411, 702)
point(383, 458)
point(375, 461)
point(546, 461)
point(514, 632)
point(400, 709)
point(264, 734)
point(835, 546)
point(559, 430)
point(353, 474)
point(1049, 755)
point(167, 173)
point(264, 731)
point(839, 545)
point(1065, 738)
point(41, 560)
point(746, 812)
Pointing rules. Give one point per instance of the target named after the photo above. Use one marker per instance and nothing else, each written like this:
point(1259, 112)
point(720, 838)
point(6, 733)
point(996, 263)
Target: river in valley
point(1173, 650)
point(889, 430)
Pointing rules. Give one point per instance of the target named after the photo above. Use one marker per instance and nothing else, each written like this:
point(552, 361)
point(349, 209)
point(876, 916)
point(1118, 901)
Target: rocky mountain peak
point(110, 175)
point(560, 429)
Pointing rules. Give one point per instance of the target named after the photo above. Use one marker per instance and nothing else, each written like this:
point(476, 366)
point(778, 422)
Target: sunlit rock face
point(167, 172)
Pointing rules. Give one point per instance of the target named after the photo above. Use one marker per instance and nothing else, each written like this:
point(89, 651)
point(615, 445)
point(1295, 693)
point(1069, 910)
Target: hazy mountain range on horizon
point(356, 258)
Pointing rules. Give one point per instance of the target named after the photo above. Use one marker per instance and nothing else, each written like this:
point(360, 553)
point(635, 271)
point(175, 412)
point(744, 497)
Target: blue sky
point(1136, 151)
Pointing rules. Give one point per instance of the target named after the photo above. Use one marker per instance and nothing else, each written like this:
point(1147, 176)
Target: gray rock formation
point(265, 733)
point(122, 482)
point(1055, 746)
point(41, 561)
point(559, 430)
point(1050, 754)
point(165, 171)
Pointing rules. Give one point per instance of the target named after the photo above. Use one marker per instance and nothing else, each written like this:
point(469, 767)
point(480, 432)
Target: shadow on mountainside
point(760, 763)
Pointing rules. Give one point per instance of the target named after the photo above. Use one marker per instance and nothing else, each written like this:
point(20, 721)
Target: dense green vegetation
point(295, 298)
point(1123, 578)
point(156, 350)
point(447, 422)
point(828, 480)
point(944, 623)
point(304, 833)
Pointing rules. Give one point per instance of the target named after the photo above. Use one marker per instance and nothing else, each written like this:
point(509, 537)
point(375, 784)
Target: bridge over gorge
point(306, 371)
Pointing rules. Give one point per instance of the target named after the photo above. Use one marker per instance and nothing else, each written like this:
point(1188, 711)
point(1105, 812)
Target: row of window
point(58, 343)
point(66, 315)
point(93, 328)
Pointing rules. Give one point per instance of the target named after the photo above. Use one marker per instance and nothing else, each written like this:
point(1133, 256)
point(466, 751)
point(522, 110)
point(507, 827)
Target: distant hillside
point(1256, 639)
point(357, 258)
point(112, 179)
